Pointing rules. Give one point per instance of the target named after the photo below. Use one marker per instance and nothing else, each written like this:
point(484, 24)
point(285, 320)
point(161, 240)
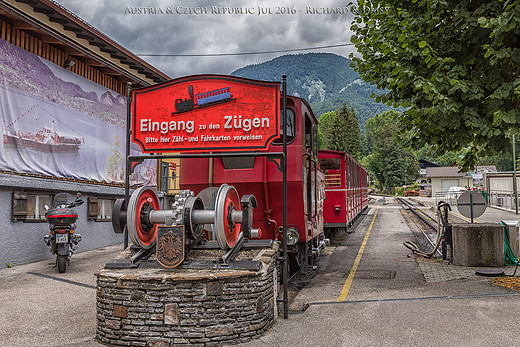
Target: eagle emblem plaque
point(170, 245)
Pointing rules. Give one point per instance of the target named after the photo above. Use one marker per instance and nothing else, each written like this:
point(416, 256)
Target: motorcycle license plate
point(62, 238)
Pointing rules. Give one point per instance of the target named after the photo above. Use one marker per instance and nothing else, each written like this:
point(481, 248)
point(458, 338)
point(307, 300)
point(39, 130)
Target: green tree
point(114, 169)
point(453, 64)
point(340, 131)
point(391, 164)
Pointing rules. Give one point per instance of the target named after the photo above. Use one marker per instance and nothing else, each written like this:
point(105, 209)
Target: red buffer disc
point(226, 229)
point(141, 231)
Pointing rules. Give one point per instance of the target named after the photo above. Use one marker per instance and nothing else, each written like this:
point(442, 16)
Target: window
point(308, 134)
point(165, 170)
point(290, 127)
point(238, 163)
point(100, 209)
point(170, 173)
point(315, 139)
point(332, 169)
point(30, 207)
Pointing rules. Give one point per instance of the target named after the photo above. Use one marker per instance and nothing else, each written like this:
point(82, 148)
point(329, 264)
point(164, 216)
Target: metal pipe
point(203, 216)
point(210, 171)
point(284, 239)
point(127, 167)
point(161, 216)
point(205, 155)
point(268, 212)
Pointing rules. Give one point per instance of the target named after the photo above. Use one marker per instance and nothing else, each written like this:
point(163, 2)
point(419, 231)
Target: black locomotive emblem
point(203, 99)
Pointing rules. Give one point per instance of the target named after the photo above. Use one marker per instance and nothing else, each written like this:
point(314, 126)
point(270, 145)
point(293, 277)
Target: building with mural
point(63, 87)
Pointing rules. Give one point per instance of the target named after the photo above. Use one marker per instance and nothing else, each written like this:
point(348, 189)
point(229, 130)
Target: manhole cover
point(489, 272)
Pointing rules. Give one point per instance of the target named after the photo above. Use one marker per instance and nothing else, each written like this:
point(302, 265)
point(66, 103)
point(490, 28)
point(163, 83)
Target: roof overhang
point(55, 25)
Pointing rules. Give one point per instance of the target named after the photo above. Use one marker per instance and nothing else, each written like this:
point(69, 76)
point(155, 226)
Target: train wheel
point(141, 231)
point(226, 230)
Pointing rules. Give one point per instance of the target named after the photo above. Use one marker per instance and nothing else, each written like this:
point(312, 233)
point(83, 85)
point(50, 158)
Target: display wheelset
point(143, 215)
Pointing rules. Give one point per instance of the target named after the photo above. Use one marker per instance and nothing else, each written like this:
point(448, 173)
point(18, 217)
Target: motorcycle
point(63, 239)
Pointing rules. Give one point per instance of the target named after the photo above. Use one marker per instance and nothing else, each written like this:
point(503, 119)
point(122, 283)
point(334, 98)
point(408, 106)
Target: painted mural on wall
point(57, 123)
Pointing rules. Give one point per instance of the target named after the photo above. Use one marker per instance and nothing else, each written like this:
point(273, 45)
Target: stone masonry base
point(158, 307)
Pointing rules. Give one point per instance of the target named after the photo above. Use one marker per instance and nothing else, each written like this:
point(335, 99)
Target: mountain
point(108, 99)
point(325, 80)
point(27, 72)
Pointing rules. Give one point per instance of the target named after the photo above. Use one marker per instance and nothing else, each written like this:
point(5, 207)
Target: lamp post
point(514, 175)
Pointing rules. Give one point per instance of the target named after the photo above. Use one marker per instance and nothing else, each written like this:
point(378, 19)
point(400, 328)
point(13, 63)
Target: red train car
point(345, 189)
point(263, 178)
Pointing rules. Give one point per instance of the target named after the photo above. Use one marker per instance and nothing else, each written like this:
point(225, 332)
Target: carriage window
point(308, 133)
point(290, 127)
point(315, 145)
point(332, 169)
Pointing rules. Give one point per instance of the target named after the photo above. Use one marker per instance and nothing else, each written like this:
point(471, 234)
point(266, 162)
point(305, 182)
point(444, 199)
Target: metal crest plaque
point(170, 245)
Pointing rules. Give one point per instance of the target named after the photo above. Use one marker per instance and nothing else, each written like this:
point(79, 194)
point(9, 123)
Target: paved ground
point(41, 307)
point(396, 300)
point(385, 298)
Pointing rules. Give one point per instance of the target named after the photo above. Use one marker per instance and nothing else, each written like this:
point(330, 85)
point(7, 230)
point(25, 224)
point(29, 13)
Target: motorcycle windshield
point(61, 199)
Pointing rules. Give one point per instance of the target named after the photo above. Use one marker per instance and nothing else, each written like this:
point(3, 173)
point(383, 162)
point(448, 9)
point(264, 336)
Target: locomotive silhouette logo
point(170, 245)
point(203, 99)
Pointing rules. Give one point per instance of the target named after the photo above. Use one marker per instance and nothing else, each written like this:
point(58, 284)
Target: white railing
point(502, 198)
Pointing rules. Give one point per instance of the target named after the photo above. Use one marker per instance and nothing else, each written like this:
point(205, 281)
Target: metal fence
point(449, 197)
point(501, 198)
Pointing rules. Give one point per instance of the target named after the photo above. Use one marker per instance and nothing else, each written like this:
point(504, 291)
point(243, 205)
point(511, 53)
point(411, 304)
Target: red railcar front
point(263, 178)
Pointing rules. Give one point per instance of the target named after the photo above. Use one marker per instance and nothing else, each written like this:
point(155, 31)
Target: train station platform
point(370, 290)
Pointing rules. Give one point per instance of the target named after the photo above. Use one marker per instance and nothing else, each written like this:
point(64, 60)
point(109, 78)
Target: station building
point(444, 177)
point(63, 87)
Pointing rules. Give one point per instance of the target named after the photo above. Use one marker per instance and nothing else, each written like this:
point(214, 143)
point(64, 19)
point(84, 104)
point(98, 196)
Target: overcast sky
point(168, 27)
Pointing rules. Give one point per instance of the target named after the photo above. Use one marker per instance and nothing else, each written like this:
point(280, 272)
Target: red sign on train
point(206, 113)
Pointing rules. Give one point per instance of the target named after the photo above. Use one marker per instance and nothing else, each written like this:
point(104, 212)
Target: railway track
point(427, 237)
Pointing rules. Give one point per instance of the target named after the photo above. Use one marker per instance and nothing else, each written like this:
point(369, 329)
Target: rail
point(426, 220)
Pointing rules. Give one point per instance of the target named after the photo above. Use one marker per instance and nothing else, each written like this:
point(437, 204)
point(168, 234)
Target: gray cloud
point(173, 33)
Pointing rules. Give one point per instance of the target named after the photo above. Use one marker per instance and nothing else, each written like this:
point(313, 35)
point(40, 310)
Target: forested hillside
point(325, 80)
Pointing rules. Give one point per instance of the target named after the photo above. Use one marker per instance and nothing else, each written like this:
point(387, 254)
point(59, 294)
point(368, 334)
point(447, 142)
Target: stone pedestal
point(206, 307)
point(478, 245)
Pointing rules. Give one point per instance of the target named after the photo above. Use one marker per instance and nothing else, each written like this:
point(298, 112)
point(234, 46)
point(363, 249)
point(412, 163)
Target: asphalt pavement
point(41, 307)
point(368, 291)
point(390, 301)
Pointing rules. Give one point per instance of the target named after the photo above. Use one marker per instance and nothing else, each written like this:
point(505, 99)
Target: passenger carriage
point(345, 190)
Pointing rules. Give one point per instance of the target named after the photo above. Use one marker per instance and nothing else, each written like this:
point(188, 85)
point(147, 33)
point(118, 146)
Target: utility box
point(479, 244)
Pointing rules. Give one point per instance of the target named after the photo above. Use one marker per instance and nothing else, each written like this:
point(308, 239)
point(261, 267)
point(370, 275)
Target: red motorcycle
point(62, 238)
